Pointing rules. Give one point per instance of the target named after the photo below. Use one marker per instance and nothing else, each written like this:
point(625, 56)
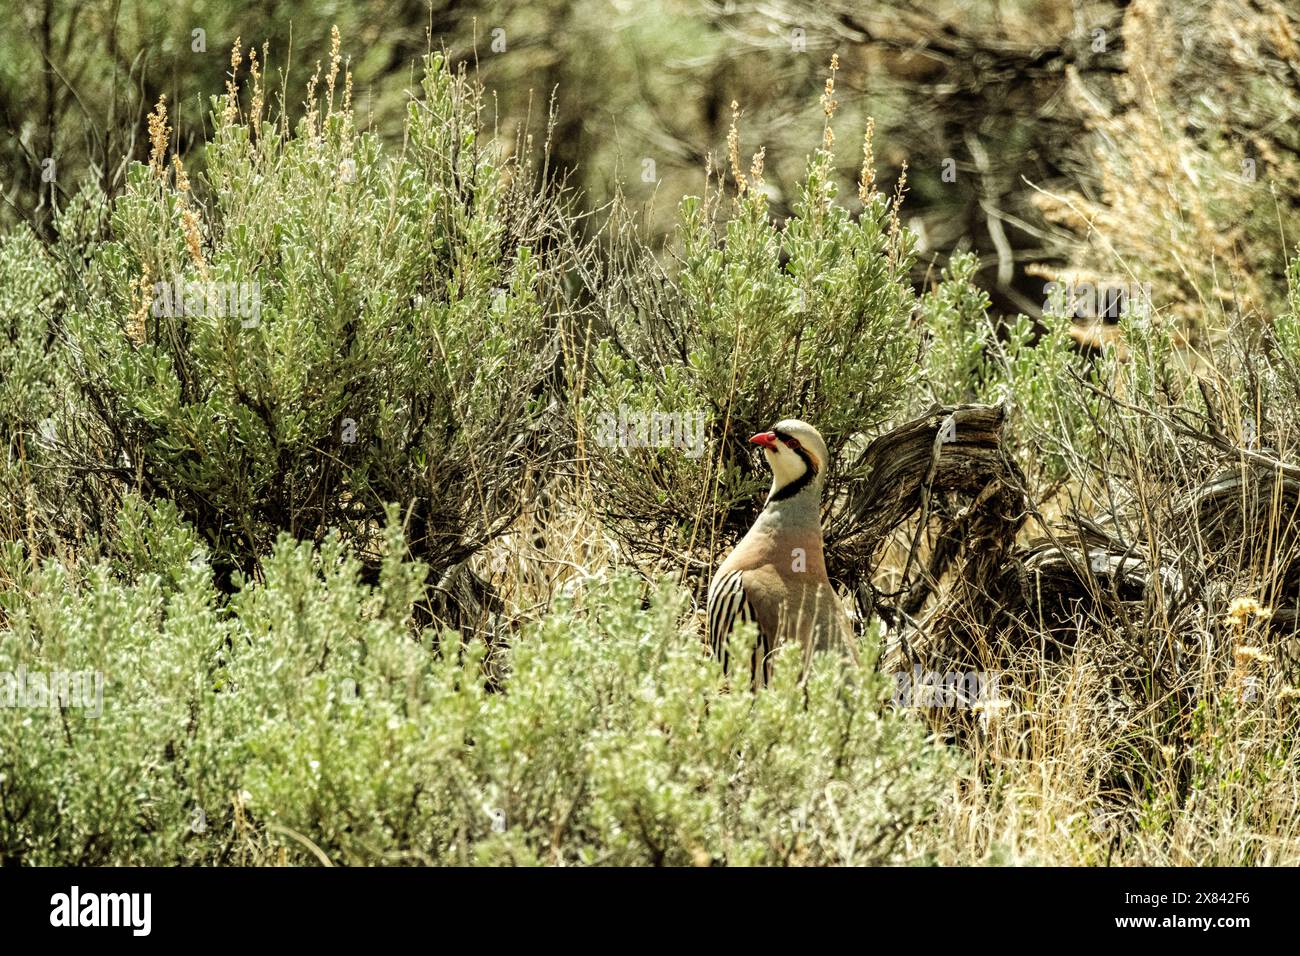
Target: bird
point(776, 576)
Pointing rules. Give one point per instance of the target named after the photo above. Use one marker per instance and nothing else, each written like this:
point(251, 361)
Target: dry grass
point(1198, 216)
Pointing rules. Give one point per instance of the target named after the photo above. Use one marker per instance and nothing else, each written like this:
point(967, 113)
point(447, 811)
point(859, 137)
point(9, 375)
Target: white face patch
point(786, 465)
point(791, 469)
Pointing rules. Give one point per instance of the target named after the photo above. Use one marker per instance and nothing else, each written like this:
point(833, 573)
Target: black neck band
point(800, 483)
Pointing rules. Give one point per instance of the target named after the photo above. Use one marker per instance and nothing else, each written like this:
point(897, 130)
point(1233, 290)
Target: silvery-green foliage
point(29, 291)
point(756, 321)
point(1287, 326)
point(959, 332)
point(307, 716)
point(392, 345)
point(38, 493)
point(1034, 369)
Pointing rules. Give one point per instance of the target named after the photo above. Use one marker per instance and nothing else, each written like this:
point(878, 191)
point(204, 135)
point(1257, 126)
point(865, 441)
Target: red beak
point(766, 439)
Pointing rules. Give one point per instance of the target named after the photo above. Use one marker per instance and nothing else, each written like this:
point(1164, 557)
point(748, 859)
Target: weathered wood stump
point(980, 597)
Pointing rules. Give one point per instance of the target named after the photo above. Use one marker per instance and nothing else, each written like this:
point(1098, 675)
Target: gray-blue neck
point(800, 510)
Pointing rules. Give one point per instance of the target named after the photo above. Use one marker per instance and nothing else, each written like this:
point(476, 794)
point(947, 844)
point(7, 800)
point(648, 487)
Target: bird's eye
point(792, 442)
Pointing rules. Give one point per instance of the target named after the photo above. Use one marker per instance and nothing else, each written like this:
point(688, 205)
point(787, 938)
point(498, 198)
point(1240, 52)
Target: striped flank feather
point(728, 606)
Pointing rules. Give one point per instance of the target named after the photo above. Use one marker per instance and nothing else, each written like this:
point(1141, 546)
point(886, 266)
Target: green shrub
point(43, 495)
point(1031, 368)
point(304, 718)
point(29, 287)
point(960, 333)
point(380, 332)
point(28, 290)
point(759, 320)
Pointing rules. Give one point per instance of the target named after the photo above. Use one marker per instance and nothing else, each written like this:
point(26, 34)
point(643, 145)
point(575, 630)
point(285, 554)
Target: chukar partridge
point(776, 576)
